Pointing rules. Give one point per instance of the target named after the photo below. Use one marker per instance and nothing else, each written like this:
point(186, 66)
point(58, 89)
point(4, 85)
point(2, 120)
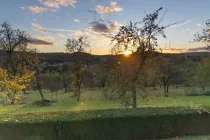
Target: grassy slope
point(92, 100)
point(92, 107)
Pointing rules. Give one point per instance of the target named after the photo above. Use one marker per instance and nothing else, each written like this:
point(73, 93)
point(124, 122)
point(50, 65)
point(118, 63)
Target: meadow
point(95, 116)
point(95, 100)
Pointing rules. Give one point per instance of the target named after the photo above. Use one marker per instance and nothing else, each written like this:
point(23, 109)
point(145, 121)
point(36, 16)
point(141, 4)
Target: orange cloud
point(61, 35)
point(37, 9)
point(185, 50)
point(198, 25)
point(107, 10)
point(58, 3)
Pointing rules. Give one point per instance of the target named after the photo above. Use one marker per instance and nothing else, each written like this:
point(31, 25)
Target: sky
point(53, 21)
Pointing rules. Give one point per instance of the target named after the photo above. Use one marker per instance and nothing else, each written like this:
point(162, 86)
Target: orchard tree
point(78, 45)
point(140, 37)
point(167, 72)
point(13, 85)
point(65, 76)
point(201, 77)
point(100, 76)
point(12, 42)
point(205, 35)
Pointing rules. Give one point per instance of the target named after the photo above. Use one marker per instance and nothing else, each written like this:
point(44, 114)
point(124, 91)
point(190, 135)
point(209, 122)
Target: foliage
point(122, 83)
point(78, 75)
point(78, 45)
point(201, 78)
point(140, 37)
point(100, 75)
point(52, 81)
point(12, 85)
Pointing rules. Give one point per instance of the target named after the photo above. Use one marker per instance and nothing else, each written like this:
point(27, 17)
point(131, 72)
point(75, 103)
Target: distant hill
point(196, 54)
point(55, 58)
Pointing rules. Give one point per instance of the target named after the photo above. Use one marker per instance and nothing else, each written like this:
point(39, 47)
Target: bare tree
point(141, 37)
point(11, 42)
point(205, 35)
point(14, 43)
point(78, 45)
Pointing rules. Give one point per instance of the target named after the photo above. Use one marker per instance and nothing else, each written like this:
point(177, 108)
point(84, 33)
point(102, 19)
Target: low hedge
point(120, 124)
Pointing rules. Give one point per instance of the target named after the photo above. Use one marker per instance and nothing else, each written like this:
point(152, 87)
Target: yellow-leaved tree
point(12, 85)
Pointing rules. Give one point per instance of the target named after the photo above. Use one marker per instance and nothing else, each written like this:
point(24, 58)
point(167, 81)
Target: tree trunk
point(78, 94)
point(42, 96)
point(13, 70)
point(134, 105)
point(24, 91)
point(165, 91)
point(65, 89)
point(65, 86)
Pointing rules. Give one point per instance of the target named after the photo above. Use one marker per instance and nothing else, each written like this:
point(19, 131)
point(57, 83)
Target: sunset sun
point(127, 53)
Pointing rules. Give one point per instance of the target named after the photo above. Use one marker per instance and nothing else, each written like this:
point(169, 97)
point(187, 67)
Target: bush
point(123, 124)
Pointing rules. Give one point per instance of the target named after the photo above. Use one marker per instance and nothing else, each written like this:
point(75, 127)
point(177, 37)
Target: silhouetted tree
point(140, 37)
point(12, 42)
point(78, 45)
point(205, 35)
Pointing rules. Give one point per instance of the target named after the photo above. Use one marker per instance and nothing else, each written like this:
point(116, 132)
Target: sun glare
point(127, 53)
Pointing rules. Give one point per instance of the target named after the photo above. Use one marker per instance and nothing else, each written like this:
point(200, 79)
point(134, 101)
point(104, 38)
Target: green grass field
point(93, 100)
point(192, 138)
point(94, 106)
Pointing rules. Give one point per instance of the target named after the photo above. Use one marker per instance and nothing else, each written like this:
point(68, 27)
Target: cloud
point(100, 27)
point(80, 32)
point(59, 3)
point(37, 9)
point(61, 35)
point(22, 7)
point(93, 11)
point(49, 39)
point(182, 23)
point(36, 41)
point(51, 5)
point(77, 20)
point(115, 7)
point(186, 50)
point(100, 9)
point(104, 10)
point(113, 4)
point(39, 28)
point(198, 25)
point(103, 28)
